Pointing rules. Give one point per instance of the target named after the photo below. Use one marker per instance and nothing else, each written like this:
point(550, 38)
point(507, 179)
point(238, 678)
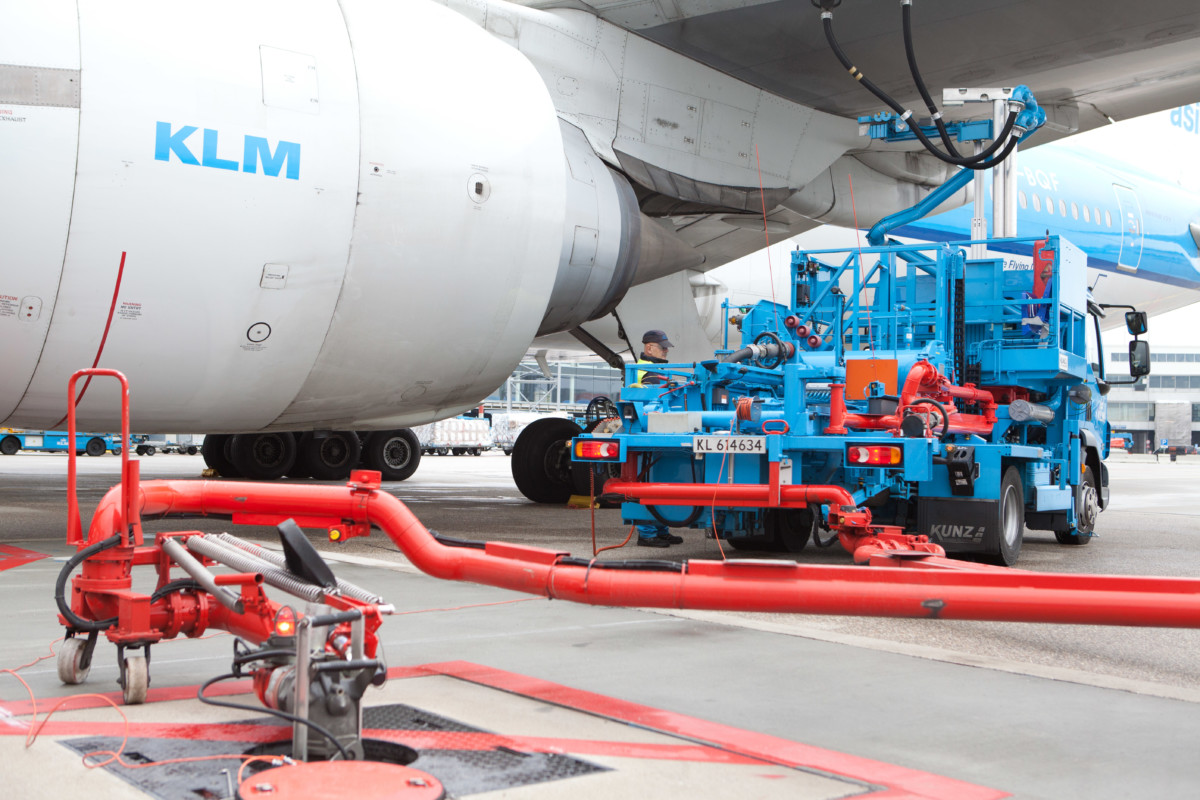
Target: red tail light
point(874, 455)
point(597, 450)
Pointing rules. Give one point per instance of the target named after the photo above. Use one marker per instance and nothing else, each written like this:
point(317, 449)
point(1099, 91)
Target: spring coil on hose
point(347, 588)
point(244, 562)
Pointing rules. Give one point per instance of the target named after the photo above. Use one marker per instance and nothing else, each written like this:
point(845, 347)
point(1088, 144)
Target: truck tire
point(541, 462)
point(1010, 520)
point(395, 454)
point(95, 447)
point(1087, 509)
point(790, 528)
point(10, 445)
point(330, 457)
point(263, 456)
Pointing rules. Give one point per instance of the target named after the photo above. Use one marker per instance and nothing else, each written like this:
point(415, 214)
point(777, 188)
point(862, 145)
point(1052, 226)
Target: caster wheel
point(137, 680)
point(70, 655)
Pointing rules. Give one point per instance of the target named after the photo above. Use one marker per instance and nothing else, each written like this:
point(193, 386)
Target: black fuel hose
point(970, 162)
point(60, 587)
point(910, 51)
point(929, 401)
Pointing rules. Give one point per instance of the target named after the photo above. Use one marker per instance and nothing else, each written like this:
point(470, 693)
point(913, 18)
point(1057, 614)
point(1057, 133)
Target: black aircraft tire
point(331, 457)
point(395, 454)
point(541, 463)
point(1010, 520)
point(215, 453)
point(263, 456)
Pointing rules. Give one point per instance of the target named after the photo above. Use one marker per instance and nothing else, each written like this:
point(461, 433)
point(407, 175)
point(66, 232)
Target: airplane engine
point(278, 215)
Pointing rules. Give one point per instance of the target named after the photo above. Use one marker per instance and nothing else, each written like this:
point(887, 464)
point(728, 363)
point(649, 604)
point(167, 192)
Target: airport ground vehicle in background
point(456, 436)
point(14, 440)
point(918, 399)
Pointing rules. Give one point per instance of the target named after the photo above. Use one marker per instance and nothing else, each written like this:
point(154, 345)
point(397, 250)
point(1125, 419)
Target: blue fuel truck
point(904, 399)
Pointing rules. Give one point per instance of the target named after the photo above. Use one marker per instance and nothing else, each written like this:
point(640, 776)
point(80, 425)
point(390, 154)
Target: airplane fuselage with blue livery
point(1139, 230)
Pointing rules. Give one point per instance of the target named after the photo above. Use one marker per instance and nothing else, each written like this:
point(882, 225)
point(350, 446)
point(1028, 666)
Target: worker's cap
point(657, 337)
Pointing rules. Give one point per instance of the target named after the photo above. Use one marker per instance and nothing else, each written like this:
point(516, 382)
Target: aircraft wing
point(1087, 61)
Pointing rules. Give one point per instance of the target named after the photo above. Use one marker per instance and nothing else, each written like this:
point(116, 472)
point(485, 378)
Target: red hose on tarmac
point(765, 586)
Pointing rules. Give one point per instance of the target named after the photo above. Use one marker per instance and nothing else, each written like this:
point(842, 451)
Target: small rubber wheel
point(137, 680)
point(116, 451)
point(9, 445)
point(70, 655)
point(95, 447)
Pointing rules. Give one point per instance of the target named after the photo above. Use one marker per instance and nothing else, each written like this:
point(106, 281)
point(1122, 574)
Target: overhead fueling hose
point(976, 162)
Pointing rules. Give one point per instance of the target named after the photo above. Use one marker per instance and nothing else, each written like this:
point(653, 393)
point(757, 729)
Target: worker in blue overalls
point(654, 351)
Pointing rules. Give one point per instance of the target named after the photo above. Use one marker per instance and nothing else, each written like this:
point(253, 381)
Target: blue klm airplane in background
point(1139, 226)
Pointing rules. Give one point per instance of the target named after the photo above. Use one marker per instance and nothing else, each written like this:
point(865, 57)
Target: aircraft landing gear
point(263, 456)
point(329, 457)
point(396, 454)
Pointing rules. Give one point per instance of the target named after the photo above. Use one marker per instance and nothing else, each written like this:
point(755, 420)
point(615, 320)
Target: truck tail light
point(875, 455)
point(597, 450)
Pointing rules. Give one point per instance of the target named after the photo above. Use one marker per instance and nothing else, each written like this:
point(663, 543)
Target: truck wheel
point(116, 451)
point(791, 527)
point(151, 449)
point(331, 457)
point(95, 447)
point(395, 454)
point(1010, 520)
point(9, 445)
point(541, 461)
point(263, 456)
point(1087, 509)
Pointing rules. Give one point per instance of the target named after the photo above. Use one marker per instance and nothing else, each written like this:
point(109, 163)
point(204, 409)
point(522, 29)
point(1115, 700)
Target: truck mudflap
point(960, 525)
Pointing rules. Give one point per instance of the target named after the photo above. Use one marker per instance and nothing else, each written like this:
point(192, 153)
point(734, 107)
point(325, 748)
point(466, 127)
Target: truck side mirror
point(1139, 357)
point(1135, 321)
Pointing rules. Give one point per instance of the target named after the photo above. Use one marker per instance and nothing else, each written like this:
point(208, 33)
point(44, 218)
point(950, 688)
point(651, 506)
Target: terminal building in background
point(1163, 406)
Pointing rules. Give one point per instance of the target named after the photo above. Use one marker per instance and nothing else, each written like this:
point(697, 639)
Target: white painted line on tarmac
point(1063, 674)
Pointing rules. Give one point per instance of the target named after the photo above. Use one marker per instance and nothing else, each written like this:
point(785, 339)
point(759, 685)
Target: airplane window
point(1024, 200)
point(1049, 205)
point(1062, 208)
point(1096, 211)
point(1075, 210)
point(1037, 203)
point(1087, 215)
point(1107, 219)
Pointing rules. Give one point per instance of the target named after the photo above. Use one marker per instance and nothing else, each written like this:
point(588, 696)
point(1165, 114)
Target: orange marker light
point(285, 627)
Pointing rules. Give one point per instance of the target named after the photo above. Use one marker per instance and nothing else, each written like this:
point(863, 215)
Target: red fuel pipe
point(769, 586)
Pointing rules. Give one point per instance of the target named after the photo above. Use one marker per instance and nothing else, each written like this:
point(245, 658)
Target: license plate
point(729, 444)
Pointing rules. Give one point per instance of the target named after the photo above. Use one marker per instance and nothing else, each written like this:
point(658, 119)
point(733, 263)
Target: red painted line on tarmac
point(711, 742)
point(112, 307)
point(901, 782)
point(11, 557)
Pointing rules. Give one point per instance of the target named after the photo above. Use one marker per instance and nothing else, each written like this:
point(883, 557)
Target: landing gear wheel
point(9, 445)
point(71, 669)
point(137, 680)
point(214, 450)
point(541, 461)
point(1010, 520)
point(792, 528)
point(1087, 509)
point(396, 454)
point(330, 457)
point(95, 447)
point(263, 456)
